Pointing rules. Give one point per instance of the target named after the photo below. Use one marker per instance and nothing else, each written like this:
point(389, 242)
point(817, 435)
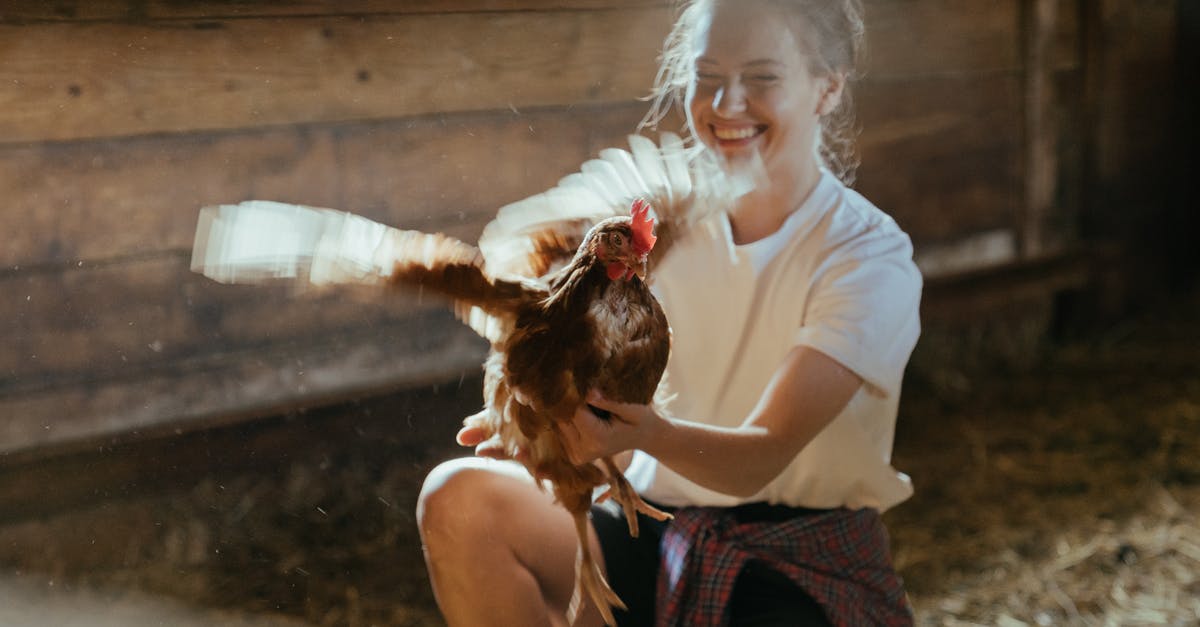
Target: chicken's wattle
point(616, 270)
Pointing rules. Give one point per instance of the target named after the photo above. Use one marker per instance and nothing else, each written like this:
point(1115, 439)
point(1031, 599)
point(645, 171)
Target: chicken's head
point(624, 243)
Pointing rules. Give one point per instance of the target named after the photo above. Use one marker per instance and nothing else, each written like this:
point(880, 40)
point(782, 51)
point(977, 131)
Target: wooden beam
point(71, 81)
point(79, 325)
point(112, 199)
point(24, 11)
point(1039, 19)
point(965, 299)
point(417, 424)
point(214, 390)
point(941, 154)
point(940, 37)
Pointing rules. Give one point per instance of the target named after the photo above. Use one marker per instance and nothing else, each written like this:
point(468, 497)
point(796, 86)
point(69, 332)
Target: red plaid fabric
point(839, 557)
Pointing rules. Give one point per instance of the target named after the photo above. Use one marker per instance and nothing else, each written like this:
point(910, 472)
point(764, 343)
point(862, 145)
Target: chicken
point(557, 285)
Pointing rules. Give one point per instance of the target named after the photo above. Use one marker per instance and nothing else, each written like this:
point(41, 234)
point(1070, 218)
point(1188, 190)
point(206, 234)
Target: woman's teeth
point(735, 133)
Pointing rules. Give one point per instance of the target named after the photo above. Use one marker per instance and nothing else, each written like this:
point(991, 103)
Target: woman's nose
point(730, 98)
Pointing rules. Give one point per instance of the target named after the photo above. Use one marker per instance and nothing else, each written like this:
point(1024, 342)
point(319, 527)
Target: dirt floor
point(1063, 493)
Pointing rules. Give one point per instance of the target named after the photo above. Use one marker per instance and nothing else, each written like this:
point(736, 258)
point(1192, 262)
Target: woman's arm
point(806, 393)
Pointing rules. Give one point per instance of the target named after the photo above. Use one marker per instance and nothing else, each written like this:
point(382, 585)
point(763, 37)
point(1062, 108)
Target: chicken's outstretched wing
point(261, 241)
point(534, 236)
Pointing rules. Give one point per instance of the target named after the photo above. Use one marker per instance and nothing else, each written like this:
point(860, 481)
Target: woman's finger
point(471, 435)
point(492, 449)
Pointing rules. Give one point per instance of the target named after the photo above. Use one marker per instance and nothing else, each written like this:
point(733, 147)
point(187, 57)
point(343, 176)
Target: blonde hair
point(835, 30)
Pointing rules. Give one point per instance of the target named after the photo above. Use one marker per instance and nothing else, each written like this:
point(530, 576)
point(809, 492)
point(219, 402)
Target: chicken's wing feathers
point(520, 240)
point(604, 187)
point(258, 241)
point(262, 241)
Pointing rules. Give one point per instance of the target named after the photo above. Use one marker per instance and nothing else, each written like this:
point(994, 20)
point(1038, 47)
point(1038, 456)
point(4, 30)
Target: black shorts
point(761, 596)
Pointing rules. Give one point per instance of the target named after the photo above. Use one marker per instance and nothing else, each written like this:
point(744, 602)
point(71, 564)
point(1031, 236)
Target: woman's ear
point(831, 93)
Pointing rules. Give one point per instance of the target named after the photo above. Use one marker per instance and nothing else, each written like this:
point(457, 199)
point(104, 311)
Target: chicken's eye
point(617, 240)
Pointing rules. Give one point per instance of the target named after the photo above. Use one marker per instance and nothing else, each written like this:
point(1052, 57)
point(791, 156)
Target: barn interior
point(175, 451)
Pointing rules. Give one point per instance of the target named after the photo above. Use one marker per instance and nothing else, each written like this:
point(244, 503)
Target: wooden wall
point(984, 123)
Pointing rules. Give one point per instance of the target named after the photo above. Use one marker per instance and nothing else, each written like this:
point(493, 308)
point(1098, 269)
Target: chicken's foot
point(631, 502)
point(589, 580)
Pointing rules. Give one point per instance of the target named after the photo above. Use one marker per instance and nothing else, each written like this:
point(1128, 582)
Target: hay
point(1065, 495)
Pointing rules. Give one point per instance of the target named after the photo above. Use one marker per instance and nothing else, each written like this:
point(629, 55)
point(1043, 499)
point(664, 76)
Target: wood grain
point(1041, 133)
point(70, 81)
point(106, 199)
point(170, 76)
point(942, 155)
point(224, 389)
point(940, 37)
point(75, 10)
point(126, 319)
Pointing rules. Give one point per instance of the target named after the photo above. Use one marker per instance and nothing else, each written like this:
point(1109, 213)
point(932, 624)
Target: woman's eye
point(762, 78)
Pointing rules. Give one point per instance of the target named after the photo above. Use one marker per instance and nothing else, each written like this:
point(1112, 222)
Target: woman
point(793, 314)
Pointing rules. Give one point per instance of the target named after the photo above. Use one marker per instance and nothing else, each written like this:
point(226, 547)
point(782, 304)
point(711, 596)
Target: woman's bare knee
point(477, 519)
point(462, 494)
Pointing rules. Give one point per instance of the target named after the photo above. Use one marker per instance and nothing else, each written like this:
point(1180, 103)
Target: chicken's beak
point(639, 267)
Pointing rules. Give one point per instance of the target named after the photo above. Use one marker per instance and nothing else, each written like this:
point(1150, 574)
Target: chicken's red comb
point(643, 227)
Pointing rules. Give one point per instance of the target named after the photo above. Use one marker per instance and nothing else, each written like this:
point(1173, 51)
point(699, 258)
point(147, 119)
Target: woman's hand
point(624, 426)
point(485, 445)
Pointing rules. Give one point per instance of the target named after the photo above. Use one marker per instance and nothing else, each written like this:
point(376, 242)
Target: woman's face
point(753, 92)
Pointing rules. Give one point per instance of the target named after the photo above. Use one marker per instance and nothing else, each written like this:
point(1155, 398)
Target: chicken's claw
point(590, 581)
point(631, 502)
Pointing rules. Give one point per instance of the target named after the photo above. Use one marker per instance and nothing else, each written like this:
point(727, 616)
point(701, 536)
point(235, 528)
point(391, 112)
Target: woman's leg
point(499, 550)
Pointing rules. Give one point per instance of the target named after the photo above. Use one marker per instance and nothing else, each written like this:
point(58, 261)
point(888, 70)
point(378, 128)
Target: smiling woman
point(793, 310)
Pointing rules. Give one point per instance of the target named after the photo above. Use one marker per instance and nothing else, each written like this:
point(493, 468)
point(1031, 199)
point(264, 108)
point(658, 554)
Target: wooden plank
point(417, 424)
point(922, 37)
point(117, 198)
point(68, 81)
point(105, 199)
point(456, 169)
point(1129, 54)
point(971, 253)
point(942, 154)
point(96, 322)
point(23, 11)
point(1068, 38)
point(221, 390)
point(128, 78)
point(1041, 134)
point(963, 299)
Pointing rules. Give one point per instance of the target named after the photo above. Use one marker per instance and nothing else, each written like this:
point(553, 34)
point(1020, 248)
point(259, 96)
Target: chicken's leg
point(589, 580)
point(631, 502)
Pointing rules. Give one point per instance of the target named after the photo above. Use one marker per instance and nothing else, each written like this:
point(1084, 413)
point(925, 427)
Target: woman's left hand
point(590, 437)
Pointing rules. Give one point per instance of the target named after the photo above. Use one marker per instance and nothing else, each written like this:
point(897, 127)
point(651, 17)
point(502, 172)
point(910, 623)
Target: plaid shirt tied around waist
point(839, 557)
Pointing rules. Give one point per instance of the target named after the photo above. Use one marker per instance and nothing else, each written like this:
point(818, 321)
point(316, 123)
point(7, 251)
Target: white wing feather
point(258, 241)
point(261, 241)
point(604, 187)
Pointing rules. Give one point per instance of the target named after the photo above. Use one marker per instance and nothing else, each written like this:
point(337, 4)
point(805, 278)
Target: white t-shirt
point(838, 276)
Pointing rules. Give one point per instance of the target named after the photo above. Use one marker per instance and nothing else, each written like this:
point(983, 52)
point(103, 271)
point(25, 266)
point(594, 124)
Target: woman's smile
point(736, 135)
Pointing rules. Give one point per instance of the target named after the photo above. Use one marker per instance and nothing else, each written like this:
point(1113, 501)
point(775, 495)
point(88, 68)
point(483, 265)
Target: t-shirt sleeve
point(864, 309)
